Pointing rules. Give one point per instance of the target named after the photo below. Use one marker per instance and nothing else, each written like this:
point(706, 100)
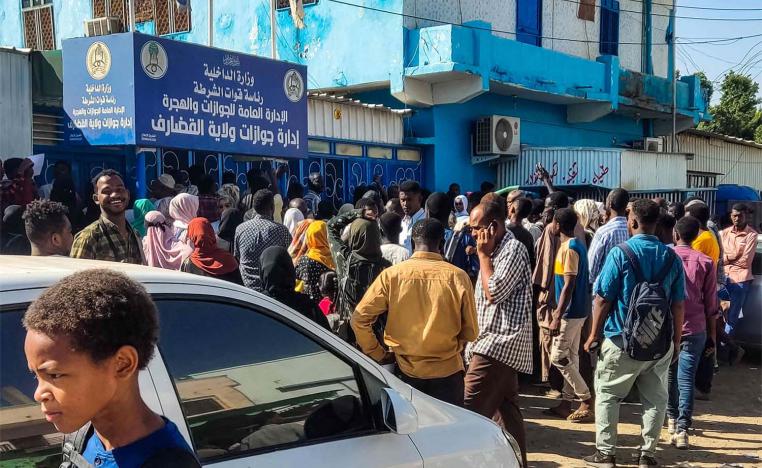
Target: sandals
point(581, 416)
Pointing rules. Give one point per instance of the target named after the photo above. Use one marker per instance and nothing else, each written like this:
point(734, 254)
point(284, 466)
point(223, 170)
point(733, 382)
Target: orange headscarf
point(206, 255)
point(298, 245)
point(318, 248)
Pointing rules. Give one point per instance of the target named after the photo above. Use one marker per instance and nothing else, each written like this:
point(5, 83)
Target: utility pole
point(210, 22)
point(674, 75)
point(132, 15)
point(273, 30)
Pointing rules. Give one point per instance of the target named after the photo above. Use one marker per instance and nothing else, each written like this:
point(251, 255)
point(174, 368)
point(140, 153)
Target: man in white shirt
point(391, 227)
point(411, 200)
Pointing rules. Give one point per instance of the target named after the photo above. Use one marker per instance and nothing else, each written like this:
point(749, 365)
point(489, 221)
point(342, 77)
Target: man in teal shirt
point(616, 372)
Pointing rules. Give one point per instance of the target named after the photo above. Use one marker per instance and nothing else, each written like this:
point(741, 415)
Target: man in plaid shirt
point(503, 347)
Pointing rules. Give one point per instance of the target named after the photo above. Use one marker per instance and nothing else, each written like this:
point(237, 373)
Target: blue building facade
point(575, 76)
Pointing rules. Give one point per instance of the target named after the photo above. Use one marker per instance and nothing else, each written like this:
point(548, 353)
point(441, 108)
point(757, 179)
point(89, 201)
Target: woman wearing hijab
point(183, 208)
point(298, 245)
point(460, 208)
point(361, 259)
point(316, 260)
point(139, 211)
point(291, 220)
point(161, 248)
point(229, 221)
point(589, 217)
point(278, 281)
point(207, 259)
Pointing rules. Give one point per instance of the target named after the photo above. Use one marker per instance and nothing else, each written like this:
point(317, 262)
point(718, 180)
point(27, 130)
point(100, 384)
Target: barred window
point(39, 30)
point(283, 4)
point(168, 18)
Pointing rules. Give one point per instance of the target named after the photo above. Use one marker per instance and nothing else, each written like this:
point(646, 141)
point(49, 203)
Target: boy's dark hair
point(486, 187)
point(258, 183)
point(195, 173)
point(439, 207)
point(666, 222)
point(263, 201)
point(618, 199)
point(365, 203)
point(429, 232)
point(106, 173)
point(699, 211)
point(645, 211)
point(559, 200)
point(11, 167)
point(229, 177)
point(538, 206)
point(688, 228)
point(325, 210)
point(566, 219)
point(328, 283)
point(43, 218)
point(100, 311)
point(206, 185)
point(410, 186)
point(295, 190)
point(524, 207)
point(741, 208)
point(391, 226)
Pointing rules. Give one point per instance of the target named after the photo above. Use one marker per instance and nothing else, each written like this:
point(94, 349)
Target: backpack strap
point(73, 445)
point(633, 262)
point(666, 268)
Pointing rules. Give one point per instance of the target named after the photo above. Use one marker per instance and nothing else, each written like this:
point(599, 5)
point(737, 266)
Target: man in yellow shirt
point(705, 243)
point(431, 316)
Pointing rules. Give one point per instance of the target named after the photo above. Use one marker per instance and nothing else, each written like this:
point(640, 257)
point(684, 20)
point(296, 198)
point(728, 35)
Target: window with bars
point(284, 4)
point(168, 18)
point(39, 30)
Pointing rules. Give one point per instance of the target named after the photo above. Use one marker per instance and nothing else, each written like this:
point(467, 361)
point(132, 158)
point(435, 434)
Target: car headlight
point(515, 446)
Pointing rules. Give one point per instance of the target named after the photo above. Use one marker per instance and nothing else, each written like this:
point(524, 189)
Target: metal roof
point(720, 136)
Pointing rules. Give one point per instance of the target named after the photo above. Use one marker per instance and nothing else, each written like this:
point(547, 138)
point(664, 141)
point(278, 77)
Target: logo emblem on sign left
point(293, 85)
point(98, 60)
point(153, 59)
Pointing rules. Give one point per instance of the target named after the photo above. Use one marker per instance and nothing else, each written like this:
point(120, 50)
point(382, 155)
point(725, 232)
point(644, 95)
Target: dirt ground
point(727, 431)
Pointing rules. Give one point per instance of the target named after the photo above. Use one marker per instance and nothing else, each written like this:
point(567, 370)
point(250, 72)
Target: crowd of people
point(457, 293)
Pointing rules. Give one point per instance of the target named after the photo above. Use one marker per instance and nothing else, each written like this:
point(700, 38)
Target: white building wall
point(630, 34)
point(15, 104)
point(575, 36)
point(659, 49)
point(500, 13)
point(644, 170)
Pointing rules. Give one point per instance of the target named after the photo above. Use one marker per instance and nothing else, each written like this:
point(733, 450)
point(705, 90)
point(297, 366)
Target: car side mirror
point(399, 414)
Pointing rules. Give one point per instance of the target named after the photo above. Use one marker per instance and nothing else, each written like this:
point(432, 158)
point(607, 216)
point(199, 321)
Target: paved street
point(727, 429)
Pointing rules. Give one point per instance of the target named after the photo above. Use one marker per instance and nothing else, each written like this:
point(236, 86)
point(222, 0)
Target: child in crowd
point(328, 288)
point(88, 336)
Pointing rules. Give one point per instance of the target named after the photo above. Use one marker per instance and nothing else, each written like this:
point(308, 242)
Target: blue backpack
point(648, 328)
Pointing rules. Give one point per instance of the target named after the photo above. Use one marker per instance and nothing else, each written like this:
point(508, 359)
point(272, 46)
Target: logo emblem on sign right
point(98, 60)
point(293, 85)
point(153, 59)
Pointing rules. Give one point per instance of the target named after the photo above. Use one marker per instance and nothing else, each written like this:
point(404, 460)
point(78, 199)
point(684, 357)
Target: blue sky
point(716, 59)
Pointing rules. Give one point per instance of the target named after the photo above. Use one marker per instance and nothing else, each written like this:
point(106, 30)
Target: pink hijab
point(182, 209)
point(161, 248)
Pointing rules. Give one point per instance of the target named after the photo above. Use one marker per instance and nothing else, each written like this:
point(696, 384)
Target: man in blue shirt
point(616, 372)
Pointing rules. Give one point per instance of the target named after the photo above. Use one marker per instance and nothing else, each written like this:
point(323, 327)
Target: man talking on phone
point(503, 347)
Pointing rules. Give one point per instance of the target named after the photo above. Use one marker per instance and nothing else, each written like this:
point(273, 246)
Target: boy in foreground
point(87, 338)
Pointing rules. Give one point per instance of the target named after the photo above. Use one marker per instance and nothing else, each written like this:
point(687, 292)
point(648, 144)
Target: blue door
point(529, 21)
point(609, 27)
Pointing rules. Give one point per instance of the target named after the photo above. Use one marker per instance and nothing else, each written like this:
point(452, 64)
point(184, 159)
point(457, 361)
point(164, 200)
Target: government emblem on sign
point(153, 59)
point(98, 60)
point(293, 85)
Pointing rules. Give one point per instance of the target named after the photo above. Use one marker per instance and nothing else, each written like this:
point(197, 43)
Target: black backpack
point(648, 328)
point(169, 457)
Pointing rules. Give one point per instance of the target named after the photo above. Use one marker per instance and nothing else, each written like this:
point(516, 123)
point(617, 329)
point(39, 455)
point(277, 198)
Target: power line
point(717, 41)
point(704, 18)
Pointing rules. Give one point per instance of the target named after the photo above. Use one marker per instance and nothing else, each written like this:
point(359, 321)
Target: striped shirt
point(505, 325)
point(606, 238)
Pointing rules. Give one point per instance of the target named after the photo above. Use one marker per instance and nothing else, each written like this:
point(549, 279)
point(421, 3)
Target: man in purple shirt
point(699, 330)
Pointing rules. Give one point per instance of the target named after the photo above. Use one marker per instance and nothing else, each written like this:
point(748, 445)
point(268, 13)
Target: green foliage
point(737, 113)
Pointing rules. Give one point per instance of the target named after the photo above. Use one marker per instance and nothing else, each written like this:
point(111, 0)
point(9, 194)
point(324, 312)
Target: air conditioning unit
point(497, 135)
point(103, 26)
point(654, 145)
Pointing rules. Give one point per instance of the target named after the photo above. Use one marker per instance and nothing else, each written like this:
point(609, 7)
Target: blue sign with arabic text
point(134, 89)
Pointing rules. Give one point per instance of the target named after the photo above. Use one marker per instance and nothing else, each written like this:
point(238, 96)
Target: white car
point(249, 382)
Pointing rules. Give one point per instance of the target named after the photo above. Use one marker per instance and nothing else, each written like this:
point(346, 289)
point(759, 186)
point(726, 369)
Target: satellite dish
point(503, 134)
